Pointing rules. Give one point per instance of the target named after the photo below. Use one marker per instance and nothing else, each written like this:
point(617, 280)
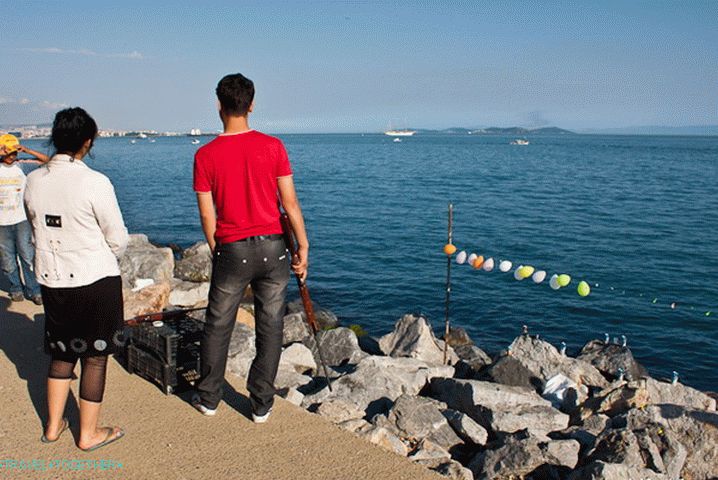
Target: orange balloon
point(449, 249)
point(478, 262)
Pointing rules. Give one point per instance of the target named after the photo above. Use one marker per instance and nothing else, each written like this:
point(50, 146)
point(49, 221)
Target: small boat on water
point(400, 133)
point(141, 135)
point(195, 141)
point(397, 140)
point(520, 141)
point(133, 141)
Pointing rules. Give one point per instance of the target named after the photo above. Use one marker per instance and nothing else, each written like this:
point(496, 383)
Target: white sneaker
point(197, 404)
point(261, 418)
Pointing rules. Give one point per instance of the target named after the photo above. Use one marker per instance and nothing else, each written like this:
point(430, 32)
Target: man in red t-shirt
point(239, 178)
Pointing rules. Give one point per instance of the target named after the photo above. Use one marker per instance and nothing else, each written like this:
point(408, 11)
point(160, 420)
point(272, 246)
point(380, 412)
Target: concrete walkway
point(165, 437)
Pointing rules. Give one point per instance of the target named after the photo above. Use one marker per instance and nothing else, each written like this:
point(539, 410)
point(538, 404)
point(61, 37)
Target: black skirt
point(84, 321)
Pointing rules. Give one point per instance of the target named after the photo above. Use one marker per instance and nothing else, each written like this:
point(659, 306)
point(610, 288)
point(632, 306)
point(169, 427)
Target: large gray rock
point(384, 438)
point(471, 360)
point(458, 337)
point(142, 260)
point(325, 318)
point(195, 264)
point(295, 328)
point(429, 454)
point(378, 381)
point(500, 408)
point(298, 358)
point(413, 338)
point(520, 454)
point(617, 446)
point(454, 470)
point(686, 438)
point(288, 379)
point(338, 411)
point(612, 471)
point(616, 399)
point(508, 370)
point(241, 350)
point(151, 299)
point(608, 358)
point(587, 432)
point(545, 361)
point(678, 394)
point(188, 294)
point(419, 418)
point(339, 346)
point(467, 429)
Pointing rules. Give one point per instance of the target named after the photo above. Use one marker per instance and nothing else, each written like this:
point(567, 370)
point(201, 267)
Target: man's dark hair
point(235, 93)
point(71, 129)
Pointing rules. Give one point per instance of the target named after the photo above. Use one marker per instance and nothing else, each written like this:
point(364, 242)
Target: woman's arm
point(109, 217)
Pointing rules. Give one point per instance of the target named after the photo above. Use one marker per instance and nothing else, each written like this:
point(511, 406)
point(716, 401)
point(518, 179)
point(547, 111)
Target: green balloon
point(564, 279)
point(583, 289)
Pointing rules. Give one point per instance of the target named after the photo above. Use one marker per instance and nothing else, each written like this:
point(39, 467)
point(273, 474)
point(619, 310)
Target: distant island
point(520, 131)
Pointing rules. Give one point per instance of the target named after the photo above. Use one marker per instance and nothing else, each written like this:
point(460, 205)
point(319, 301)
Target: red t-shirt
point(241, 170)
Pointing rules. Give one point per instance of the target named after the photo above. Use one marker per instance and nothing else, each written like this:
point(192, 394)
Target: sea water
point(634, 216)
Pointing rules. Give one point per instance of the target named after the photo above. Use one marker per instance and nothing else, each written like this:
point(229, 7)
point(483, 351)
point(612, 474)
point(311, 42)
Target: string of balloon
point(557, 281)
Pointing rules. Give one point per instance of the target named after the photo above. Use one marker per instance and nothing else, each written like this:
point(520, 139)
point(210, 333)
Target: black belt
point(261, 238)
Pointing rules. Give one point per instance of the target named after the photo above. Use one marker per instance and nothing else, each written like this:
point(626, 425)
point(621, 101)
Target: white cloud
point(133, 55)
point(44, 104)
point(52, 105)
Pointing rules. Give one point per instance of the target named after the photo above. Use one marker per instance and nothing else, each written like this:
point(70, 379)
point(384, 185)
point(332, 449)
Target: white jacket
point(76, 221)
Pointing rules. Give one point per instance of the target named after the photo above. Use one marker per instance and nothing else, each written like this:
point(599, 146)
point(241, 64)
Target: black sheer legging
point(92, 376)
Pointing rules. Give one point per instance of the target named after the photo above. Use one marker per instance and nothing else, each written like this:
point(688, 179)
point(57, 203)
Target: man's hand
point(300, 263)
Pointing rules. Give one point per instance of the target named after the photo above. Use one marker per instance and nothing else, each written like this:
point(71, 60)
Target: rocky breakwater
point(528, 412)
point(153, 280)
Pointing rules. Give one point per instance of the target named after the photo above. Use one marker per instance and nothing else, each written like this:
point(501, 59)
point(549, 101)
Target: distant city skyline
point(362, 66)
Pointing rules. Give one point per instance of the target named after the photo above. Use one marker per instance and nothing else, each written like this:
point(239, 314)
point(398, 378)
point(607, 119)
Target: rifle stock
point(303, 291)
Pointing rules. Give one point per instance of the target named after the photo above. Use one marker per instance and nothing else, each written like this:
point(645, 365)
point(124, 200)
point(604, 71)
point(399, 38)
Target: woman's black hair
point(71, 129)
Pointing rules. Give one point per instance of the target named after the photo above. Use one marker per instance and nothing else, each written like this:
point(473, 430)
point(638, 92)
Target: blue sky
point(361, 66)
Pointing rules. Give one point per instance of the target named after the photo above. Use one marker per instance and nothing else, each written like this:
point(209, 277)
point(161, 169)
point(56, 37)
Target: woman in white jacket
point(79, 234)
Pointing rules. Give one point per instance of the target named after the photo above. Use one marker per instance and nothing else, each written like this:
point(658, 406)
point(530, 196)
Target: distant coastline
point(42, 131)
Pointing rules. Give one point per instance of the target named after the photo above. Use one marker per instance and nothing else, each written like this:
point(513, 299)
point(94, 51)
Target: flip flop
point(65, 426)
point(108, 439)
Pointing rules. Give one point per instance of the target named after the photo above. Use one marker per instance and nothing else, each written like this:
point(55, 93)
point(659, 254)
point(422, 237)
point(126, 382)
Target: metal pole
point(448, 284)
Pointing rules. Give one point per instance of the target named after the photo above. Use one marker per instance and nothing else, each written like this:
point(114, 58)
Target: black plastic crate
point(169, 377)
point(167, 340)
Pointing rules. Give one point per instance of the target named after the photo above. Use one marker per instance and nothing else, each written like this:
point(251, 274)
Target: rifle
point(304, 293)
point(162, 316)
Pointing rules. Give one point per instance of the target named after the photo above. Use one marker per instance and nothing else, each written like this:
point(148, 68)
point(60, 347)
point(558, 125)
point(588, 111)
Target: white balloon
point(488, 265)
point(505, 266)
point(471, 258)
point(461, 257)
point(538, 276)
point(517, 275)
point(554, 282)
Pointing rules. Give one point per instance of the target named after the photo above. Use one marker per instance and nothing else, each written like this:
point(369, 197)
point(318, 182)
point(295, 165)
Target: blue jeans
point(264, 265)
point(16, 240)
